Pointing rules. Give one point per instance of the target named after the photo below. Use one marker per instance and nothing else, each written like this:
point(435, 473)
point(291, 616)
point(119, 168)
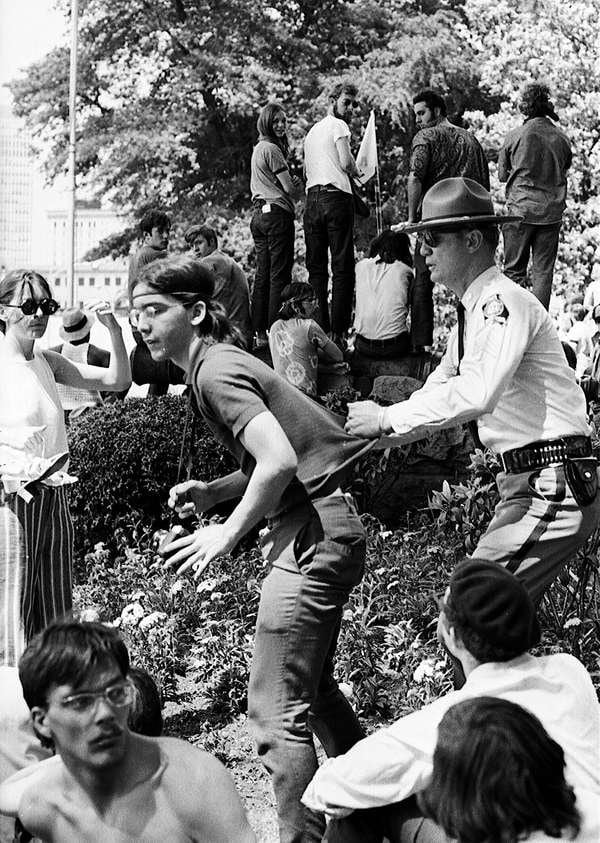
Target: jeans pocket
point(337, 561)
point(548, 483)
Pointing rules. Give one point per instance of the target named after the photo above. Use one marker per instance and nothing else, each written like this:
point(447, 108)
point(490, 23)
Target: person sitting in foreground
point(382, 295)
point(299, 346)
point(105, 780)
point(487, 622)
point(498, 776)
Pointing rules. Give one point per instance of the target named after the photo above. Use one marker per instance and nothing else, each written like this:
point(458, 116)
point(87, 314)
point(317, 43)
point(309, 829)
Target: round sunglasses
point(31, 306)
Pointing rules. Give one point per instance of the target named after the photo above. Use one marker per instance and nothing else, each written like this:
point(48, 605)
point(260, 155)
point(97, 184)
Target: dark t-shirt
point(533, 162)
point(447, 151)
point(231, 387)
point(144, 255)
point(231, 290)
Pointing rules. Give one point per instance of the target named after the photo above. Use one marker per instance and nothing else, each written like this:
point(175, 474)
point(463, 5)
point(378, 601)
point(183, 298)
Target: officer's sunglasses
point(31, 306)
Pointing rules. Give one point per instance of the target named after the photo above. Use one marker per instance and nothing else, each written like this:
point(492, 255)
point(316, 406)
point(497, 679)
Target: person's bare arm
point(347, 162)
point(414, 190)
point(275, 467)
point(83, 376)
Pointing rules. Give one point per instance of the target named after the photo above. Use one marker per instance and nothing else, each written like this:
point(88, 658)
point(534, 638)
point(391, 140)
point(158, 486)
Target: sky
point(28, 29)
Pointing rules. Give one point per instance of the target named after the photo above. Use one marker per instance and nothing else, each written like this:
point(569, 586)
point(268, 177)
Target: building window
point(57, 282)
point(118, 281)
point(106, 282)
point(92, 282)
point(80, 281)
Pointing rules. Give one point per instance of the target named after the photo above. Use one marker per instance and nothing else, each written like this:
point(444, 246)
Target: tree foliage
point(169, 92)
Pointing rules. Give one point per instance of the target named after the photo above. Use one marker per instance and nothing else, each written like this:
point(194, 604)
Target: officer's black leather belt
point(545, 452)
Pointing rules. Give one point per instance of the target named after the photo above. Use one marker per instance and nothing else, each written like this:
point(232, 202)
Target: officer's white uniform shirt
point(514, 377)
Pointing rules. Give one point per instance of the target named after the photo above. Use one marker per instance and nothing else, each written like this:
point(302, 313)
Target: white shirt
point(395, 762)
point(514, 377)
point(381, 298)
point(321, 157)
point(29, 400)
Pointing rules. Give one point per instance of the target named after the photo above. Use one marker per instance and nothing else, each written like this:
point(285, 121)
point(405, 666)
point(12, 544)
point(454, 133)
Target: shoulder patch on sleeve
point(494, 310)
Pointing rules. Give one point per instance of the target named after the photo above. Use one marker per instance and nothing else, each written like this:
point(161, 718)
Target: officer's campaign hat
point(456, 203)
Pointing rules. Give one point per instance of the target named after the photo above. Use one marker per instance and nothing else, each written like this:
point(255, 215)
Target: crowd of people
point(513, 752)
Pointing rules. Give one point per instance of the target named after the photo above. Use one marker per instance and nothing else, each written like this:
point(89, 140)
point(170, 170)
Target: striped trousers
point(36, 554)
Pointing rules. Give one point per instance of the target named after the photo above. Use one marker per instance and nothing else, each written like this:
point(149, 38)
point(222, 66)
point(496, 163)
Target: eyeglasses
point(31, 306)
point(117, 696)
point(151, 311)
point(430, 238)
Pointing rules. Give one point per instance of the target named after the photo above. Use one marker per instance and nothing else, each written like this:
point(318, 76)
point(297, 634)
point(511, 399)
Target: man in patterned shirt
point(440, 150)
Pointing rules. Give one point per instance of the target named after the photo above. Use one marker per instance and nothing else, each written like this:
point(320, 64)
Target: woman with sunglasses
point(293, 455)
point(272, 224)
point(36, 534)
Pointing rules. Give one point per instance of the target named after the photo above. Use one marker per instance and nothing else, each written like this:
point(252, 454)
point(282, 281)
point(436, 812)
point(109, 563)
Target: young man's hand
point(199, 549)
point(193, 496)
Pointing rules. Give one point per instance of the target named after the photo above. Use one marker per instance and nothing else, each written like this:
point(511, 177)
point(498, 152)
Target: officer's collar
point(475, 289)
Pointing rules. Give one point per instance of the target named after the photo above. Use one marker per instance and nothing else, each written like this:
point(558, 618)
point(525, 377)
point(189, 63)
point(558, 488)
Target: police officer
point(504, 371)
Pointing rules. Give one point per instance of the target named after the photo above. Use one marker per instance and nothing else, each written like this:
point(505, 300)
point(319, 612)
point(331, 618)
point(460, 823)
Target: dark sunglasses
point(31, 306)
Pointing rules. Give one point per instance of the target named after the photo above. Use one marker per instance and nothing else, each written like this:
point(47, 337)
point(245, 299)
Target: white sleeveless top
point(29, 400)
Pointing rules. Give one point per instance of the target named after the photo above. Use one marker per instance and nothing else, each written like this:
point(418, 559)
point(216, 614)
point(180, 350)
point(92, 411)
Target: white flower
point(132, 614)
point(425, 669)
point(91, 615)
point(152, 619)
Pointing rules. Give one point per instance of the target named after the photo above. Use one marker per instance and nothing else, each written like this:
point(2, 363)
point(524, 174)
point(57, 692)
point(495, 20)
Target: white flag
point(366, 160)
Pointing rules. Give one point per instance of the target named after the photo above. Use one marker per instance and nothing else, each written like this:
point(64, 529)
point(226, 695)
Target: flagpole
point(378, 217)
point(71, 229)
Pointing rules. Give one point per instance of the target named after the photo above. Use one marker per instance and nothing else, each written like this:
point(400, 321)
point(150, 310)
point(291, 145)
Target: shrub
point(126, 456)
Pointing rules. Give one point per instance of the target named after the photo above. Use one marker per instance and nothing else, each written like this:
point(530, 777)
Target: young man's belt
point(545, 452)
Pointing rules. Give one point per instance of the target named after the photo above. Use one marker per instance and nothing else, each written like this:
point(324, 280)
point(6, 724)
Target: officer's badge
point(494, 310)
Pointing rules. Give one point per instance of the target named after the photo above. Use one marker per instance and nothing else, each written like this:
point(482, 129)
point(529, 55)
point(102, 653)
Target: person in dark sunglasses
point(36, 533)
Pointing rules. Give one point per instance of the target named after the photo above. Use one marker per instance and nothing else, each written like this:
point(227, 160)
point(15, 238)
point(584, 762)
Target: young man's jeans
point(317, 551)
point(273, 235)
point(329, 225)
point(521, 240)
point(421, 302)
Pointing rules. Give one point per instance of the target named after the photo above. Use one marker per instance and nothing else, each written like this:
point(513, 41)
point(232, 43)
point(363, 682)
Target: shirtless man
point(107, 784)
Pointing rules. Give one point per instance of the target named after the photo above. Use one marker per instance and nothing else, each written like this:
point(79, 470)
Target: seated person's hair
point(498, 776)
point(577, 312)
point(475, 643)
point(145, 716)
point(206, 231)
point(64, 653)
point(292, 297)
point(154, 219)
point(391, 246)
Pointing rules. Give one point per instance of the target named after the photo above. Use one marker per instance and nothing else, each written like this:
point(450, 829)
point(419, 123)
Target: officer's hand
point(364, 419)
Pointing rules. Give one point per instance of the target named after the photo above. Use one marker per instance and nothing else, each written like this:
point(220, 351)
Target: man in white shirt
point(487, 622)
point(504, 372)
point(329, 210)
